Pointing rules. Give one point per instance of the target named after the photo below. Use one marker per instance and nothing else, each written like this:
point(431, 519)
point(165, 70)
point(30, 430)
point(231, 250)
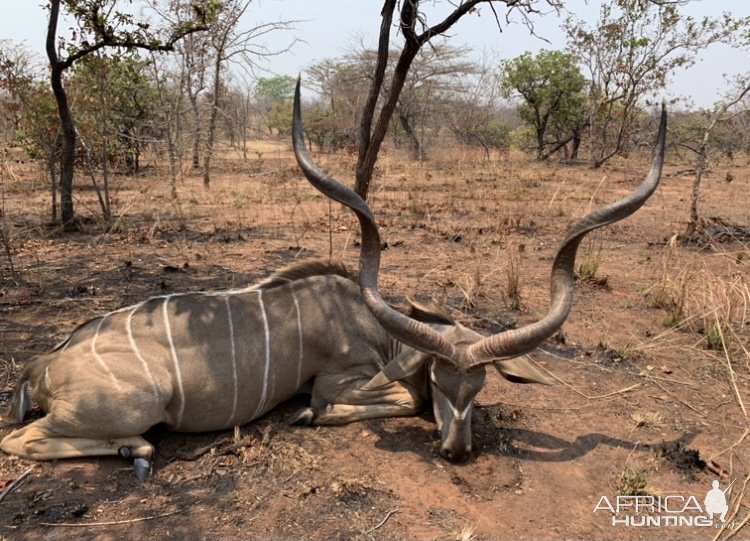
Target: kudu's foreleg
point(39, 441)
point(358, 404)
point(339, 414)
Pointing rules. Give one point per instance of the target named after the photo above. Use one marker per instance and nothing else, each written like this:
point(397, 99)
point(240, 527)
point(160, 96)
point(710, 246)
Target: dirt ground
point(647, 402)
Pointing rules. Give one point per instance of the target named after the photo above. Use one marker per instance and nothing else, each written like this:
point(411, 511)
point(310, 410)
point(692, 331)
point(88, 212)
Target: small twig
point(644, 374)
point(732, 377)
point(696, 410)
point(736, 530)
point(108, 523)
point(589, 397)
point(382, 522)
point(11, 487)
point(528, 406)
point(198, 453)
point(731, 447)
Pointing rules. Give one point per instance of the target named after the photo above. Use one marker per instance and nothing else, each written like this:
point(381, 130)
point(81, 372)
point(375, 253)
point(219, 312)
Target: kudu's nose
point(459, 454)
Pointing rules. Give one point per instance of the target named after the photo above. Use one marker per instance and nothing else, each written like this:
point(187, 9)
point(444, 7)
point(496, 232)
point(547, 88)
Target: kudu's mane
point(321, 267)
point(305, 269)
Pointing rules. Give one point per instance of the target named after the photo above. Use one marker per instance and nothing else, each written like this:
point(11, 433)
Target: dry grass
point(633, 481)
point(466, 534)
point(708, 295)
point(647, 419)
point(704, 293)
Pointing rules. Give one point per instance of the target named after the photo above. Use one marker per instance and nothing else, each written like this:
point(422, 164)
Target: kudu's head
point(455, 356)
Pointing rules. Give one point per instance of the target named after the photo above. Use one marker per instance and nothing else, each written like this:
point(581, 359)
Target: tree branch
point(368, 111)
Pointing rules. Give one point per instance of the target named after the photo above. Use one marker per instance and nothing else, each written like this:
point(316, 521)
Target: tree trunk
point(196, 131)
point(540, 145)
point(366, 162)
point(210, 136)
point(370, 141)
point(106, 208)
point(693, 225)
point(418, 151)
point(576, 145)
point(68, 152)
point(66, 121)
point(52, 169)
point(364, 170)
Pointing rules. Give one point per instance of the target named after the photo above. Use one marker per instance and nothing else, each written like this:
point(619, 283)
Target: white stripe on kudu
point(176, 361)
point(98, 357)
point(234, 361)
point(134, 347)
point(267, 366)
point(299, 334)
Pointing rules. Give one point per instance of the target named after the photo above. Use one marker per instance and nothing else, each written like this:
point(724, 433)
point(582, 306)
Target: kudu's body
point(209, 361)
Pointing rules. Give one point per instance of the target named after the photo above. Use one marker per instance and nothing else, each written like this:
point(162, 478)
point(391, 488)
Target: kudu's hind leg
point(39, 441)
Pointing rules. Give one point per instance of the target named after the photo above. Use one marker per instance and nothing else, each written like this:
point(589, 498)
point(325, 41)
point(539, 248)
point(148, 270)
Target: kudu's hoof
point(143, 468)
point(305, 416)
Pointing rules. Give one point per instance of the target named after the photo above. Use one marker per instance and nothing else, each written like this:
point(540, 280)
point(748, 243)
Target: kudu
point(453, 358)
point(212, 360)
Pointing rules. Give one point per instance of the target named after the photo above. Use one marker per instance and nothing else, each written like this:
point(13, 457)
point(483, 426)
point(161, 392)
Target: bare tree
point(228, 44)
point(721, 113)
point(629, 55)
point(195, 53)
point(416, 31)
point(170, 99)
point(436, 73)
point(241, 109)
point(474, 115)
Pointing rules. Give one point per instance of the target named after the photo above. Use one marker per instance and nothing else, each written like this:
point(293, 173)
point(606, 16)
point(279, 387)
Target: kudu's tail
point(21, 402)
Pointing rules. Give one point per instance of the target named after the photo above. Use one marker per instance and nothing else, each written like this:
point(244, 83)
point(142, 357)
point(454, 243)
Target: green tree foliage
point(270, 90)
point(551, 87)
point(274, 95)
point(280, 117)
point(114, 100)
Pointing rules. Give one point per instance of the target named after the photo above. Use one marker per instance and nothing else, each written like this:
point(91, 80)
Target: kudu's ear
point(402, 366)
point(520, 370)
point(427, 313)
